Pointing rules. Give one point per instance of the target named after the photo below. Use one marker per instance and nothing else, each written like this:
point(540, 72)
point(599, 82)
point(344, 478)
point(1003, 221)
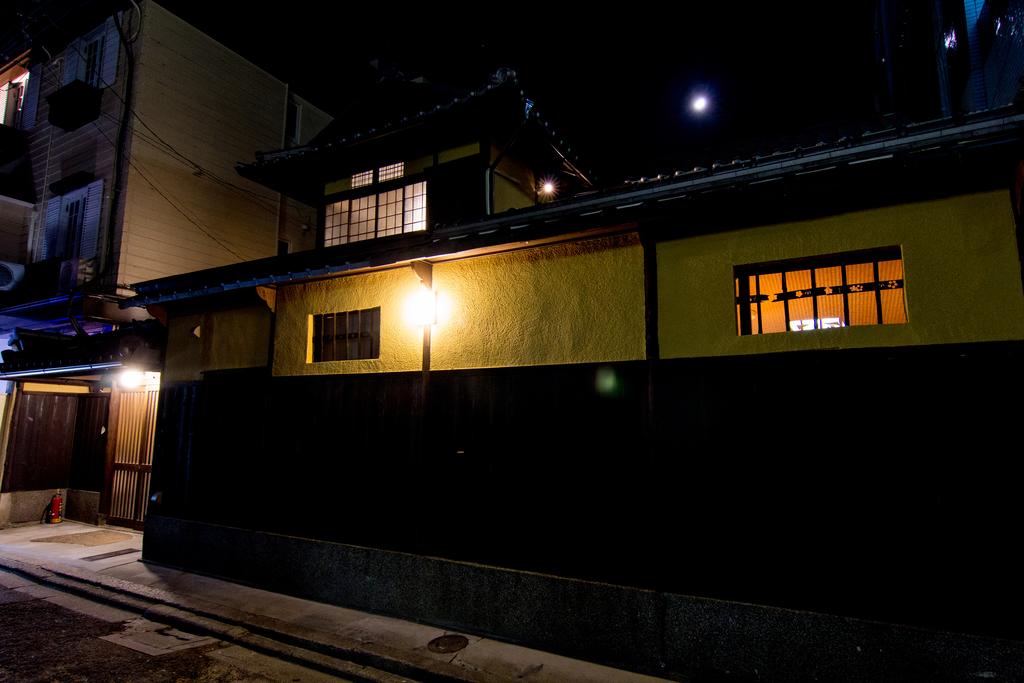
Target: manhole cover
point(450, 643)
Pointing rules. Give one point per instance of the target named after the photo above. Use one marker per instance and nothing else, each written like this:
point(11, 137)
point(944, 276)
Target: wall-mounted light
point(131, 379)
point(423, 307)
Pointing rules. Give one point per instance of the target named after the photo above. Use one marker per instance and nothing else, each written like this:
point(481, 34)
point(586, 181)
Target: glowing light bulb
point(422, 307)
point(699, 104)
point(131, 379)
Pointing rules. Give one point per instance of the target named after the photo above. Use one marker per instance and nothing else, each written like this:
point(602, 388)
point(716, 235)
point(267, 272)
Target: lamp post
point(425, 308)
point(424, 313)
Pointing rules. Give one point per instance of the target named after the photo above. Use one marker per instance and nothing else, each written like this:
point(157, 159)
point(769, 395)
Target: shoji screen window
point(840, 290)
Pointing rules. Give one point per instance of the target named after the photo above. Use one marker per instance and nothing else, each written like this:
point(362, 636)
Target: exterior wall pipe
point(119, 150)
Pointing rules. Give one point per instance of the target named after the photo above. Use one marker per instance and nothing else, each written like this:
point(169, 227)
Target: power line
point(131, 162)
point(203, 171)
point(170, 201)
point(198, 166)
point(182, 212)
point(159, 138)
point(169, 149)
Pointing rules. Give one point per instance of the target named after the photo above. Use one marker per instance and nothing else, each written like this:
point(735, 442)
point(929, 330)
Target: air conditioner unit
point(10, 275)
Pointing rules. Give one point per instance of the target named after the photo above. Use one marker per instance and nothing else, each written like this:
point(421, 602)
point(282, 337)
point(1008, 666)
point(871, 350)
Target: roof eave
point(615, 206)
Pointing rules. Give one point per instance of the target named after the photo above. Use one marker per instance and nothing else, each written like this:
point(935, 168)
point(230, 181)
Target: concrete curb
point(318, 650)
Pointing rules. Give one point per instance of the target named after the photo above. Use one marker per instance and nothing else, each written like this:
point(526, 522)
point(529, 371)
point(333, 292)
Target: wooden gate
point(42, 438)
point(130, 455)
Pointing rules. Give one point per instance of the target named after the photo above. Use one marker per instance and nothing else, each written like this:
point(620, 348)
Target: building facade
point(579, 424)
point(122, 126)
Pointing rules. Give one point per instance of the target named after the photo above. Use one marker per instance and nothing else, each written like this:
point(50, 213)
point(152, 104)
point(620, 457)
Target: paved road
point(47, 635)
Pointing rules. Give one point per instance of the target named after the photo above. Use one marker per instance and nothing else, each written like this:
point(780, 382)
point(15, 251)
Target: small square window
point(362, 179)
point(346, 335)
point(391, 172)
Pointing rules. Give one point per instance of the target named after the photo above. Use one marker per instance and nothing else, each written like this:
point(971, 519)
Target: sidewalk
point(104, 563)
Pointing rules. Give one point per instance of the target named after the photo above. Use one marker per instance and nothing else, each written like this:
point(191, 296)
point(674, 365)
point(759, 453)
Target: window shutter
point(91, 219)
point(49, 246)
point(71, 61)
point(31, 101)
point(111, 50)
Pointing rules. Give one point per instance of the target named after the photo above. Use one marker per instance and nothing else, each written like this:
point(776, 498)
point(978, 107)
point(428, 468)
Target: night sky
point(615, 84)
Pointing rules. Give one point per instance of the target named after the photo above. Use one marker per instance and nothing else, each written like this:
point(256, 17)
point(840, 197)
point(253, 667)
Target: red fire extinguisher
point(54, 515)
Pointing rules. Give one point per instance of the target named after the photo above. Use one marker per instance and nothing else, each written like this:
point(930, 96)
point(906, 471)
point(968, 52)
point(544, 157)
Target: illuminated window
point(12, 100)
point(362, 179)
point(842, 290)
point(348, 335)
point(392, 212)
point(391, 172)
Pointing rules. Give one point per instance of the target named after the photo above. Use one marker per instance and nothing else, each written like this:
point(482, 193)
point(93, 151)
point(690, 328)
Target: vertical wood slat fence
point(133, 428)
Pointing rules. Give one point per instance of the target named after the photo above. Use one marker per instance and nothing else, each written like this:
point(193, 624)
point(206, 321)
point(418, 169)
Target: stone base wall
point(665, 634)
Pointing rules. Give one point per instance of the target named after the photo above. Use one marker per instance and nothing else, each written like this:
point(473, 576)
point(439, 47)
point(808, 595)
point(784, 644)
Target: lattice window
point(391, 172)
point(347, 335)
point(842, 290)
point(392, 212)
point(362, 179)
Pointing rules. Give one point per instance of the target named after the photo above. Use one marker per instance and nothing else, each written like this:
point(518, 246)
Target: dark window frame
point(73, 217)
point(346, 335)
point(91, 55)
point(746, 299)
point(375, 188)
point(292, 122)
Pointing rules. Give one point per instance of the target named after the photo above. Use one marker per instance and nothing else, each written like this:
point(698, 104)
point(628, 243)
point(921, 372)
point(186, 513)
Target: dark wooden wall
point(57, 441)
point(42, 440)
point(88, 458)
point(876, 483)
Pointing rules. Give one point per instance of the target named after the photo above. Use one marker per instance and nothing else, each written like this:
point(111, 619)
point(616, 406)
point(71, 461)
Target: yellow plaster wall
point(455, 153)
point(962, 277)
point(513, 183)
point(567, 303)
point(183, 359)
point(510, 195)
point(55, 388)
point(400, 343)
point(411, 166)
point(229, 339)
point(574, 302)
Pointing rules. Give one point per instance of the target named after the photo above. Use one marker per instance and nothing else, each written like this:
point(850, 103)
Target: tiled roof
point(48, 353)
point(405, 104)
point(617, 205)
